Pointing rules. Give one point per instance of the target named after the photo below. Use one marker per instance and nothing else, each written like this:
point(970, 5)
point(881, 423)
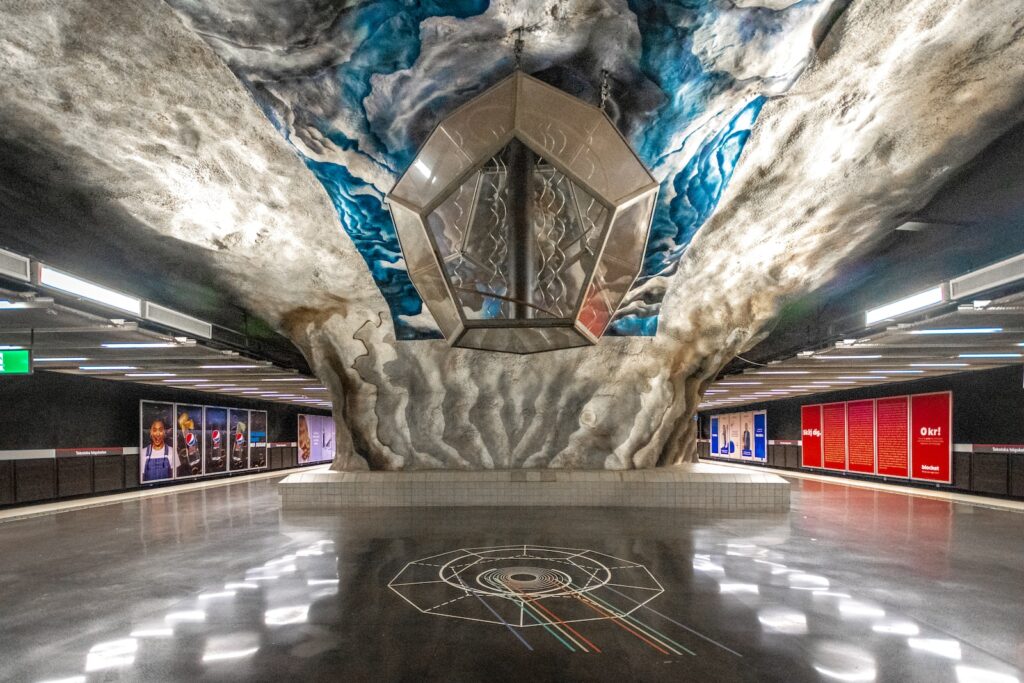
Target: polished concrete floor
point(216, 584)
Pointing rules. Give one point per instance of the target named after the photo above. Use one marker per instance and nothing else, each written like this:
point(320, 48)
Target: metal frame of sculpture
point(524, 220)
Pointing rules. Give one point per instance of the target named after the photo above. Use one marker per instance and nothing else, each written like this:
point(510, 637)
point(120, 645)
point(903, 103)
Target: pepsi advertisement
point(215, 440)
point(740, 436)
point(189, 423)
point(238, 427)
point(185, 441)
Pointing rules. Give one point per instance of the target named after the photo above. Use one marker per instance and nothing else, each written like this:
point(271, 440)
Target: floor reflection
point(744, 598)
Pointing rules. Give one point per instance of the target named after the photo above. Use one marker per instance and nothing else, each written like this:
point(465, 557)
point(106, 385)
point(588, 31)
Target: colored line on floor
point(680, 625)
point(552, 627)
point(618, 622)
point(649, 630)
point(562, 624)
point(502, 620)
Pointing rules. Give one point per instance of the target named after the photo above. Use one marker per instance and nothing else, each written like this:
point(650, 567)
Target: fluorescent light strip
point(87, 368)
point(229, 367)
point(897, 372)
point(873, 357)
point(990, 355)
point(738, 384)
point(149, 374)
point(781, 372)
point(5, 347)
point(915, 302)
point(287, 379)
point(138, 345)
point(939, 365)
point(69, 359)
point(185, 381)
point(65, 282)
point(960, 330)
point(12, 305)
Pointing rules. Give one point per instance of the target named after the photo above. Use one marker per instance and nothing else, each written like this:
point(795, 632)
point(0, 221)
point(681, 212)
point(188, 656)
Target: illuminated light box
point(55, 279)
point(15, 362)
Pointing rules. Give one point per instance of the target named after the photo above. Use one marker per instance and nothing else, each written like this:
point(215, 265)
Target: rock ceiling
point(356, 88)
point(259, 137)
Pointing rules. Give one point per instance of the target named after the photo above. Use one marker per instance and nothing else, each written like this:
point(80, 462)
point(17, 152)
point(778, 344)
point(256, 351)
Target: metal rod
point(521, 256)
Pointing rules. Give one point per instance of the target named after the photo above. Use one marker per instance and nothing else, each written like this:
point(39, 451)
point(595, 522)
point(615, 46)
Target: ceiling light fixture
point(960, 330)
point(911, 304)
point(56, 279)
point(939, 365)
point(138, 345)
point(989, 355)
point(502, 169)
point(897, 372)
point(89, 368)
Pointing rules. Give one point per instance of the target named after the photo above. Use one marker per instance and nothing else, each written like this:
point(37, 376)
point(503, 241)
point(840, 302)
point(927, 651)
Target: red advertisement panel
point(860, 426)
point(892, 418)
point(833, 435)
point(931, 446)
point(810, 435)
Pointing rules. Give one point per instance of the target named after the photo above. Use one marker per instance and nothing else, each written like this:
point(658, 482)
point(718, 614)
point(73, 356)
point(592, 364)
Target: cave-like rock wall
point(133, 104)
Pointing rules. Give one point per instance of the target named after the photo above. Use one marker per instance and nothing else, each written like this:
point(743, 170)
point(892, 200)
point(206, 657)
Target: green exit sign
point(15, 362)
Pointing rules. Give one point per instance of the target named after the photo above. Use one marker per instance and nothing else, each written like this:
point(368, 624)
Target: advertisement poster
point(810, 435)
point(315, 438)
point(896, 436)
point(238, 447)
point(257, 439)
point(931, 448)
point(740, 435)
point(157, 458)
point(892, 421)
point(833, 435)
point(714, 436)
point(189, 425)
point(860, 436)
point(214, 440)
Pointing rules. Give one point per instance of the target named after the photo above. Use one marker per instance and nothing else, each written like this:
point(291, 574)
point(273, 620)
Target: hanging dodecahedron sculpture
point(524, 219)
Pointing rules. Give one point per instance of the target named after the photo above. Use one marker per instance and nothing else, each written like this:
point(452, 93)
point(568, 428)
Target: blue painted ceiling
point(357, 87)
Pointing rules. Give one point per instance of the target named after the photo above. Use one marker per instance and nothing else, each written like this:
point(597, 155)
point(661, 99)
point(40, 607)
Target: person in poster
point(746, 439)
point(189, 453)
point(305, 443)
point(158, 459)
point(216, 440)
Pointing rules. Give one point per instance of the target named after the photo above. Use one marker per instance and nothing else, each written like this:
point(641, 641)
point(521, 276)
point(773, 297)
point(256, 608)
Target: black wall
point(52, 410)
point(55, 410)
point(988, 408)
point(988, 405)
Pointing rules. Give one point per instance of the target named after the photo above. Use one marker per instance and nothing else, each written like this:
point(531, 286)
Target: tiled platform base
point(692, 486)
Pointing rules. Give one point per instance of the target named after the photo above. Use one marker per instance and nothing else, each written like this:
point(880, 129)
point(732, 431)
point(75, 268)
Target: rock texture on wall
point(156, 113)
